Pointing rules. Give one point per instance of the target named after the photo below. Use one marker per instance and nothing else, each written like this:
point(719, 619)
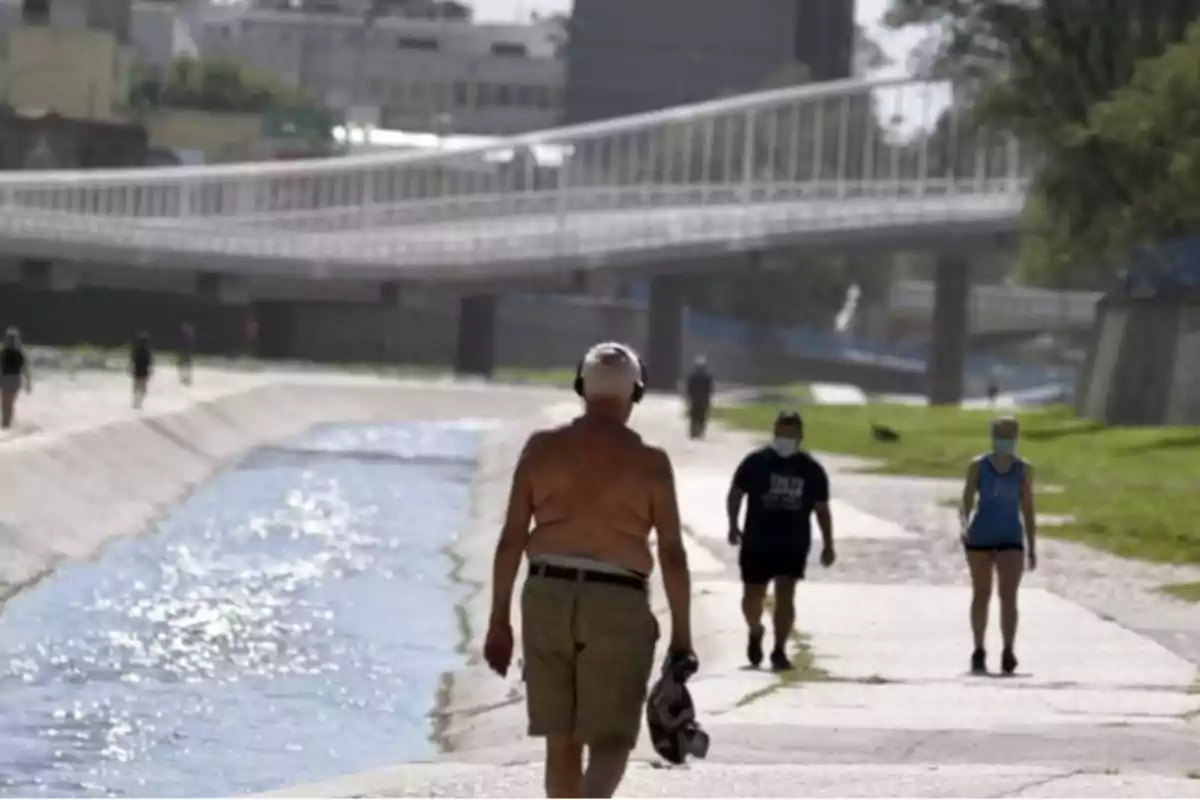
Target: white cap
point(610, 369)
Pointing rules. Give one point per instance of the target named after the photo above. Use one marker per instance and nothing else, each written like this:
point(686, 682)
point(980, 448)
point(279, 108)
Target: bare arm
point(514, 537)
point(733, 501)
point(1028, 511)
point(970, 489)
point(820, 497)
point(825, 523)
point(733, 509)
point(672, 557)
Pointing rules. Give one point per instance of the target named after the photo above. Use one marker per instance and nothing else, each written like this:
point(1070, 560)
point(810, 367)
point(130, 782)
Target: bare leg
point(564, 767)
point(785, 611)
point(8, 403)
point(753, 597)
point(981, 564)
point(1010, 567)
point(605, 769)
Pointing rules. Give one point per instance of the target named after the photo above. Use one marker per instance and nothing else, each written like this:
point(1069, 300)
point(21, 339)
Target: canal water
point(291, 621)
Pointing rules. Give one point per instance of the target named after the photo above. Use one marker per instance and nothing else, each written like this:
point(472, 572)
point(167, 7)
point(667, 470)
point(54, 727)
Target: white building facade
point(442, 75)
point(413, 74)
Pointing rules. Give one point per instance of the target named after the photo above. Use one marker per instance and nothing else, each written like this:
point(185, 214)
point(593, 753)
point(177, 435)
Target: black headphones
point(639, 388)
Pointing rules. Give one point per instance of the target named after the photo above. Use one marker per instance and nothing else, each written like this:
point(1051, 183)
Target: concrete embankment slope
point(95, 470)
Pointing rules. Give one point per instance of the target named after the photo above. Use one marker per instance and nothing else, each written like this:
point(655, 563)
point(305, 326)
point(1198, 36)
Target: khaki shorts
point(589, 651)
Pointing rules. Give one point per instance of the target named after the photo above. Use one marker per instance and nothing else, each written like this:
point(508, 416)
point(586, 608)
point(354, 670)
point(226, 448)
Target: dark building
point(48, 141)
point(825, 35)
point(103, 15)
point(630, 56)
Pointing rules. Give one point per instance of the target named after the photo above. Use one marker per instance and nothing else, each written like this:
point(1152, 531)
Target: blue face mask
point(785, 447)
point(1004, 447)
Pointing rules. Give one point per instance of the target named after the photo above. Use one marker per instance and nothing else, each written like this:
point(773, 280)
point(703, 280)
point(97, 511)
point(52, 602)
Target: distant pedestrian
point(251, 332)
point(141, 366)
point(187, 352)
point(783, 487)
point(993, 390)
point(14, 370)
point(699, 397)
point(1000, 537)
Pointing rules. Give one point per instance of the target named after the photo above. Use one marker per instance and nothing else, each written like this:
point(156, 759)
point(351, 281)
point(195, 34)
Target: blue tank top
point(997, 520)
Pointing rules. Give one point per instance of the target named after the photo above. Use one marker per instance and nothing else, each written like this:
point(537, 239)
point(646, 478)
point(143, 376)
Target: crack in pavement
point(1046, 781)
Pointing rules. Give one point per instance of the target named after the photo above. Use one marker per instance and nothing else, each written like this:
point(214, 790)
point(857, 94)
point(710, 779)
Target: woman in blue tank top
point(999, 535)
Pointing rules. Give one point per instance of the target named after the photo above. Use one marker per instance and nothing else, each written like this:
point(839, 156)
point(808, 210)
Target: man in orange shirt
point(593, 491)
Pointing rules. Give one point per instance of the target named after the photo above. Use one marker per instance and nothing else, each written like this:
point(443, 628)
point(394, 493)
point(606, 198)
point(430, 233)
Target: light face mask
point(785, 447)
point(1004, 447)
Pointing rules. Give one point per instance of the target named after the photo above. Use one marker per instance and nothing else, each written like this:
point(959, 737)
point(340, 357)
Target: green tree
point(1039, 69)
point(215, 86)
point(1151, 128)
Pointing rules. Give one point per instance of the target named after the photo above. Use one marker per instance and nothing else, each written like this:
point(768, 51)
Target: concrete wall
point(110, 317)
point(1144, 363)
point(423, 330)
point(534, 333)
point(72, 71)
point(220, 137)
point(124, 474)
point(1183, 404)
point(539, 333)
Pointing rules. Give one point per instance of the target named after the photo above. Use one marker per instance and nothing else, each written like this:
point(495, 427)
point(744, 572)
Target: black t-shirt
point(12, 361)
point(780, 494)
point(141, 360)
point(700, 386)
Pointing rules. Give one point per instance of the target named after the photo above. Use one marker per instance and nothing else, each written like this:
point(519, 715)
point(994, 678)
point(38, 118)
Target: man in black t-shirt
point(783, 487)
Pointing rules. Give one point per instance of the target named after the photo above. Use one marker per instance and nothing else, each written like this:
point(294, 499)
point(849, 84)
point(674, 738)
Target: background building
point(159, 33)
point(630, 56)
point(420, 73)
point(420, 65)
point(112, 16)
point(68, 57)
point(825, 37)
point(50, 141)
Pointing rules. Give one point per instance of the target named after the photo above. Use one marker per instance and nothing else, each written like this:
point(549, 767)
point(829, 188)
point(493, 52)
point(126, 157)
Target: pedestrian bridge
point(840, 164)
point(1000, 309)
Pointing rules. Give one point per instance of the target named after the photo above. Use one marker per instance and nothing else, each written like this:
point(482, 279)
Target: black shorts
point(762, 562)
point(995, 548)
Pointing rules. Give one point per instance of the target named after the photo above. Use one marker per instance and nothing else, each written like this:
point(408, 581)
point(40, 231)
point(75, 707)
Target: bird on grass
point(882, 433)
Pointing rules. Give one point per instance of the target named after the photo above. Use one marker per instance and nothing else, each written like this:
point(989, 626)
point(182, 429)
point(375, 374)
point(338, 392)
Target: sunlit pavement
point(1094, 710)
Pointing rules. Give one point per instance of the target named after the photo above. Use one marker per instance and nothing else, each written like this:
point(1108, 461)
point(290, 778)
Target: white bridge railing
point(833, 159)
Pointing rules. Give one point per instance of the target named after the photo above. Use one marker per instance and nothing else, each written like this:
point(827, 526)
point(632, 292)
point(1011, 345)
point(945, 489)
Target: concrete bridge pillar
point(951, 318)
point(664, 345)
point(475, 353)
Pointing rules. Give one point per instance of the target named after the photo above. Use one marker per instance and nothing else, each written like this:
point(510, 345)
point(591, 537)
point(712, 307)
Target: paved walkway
point(1097, 709)
point(1117, 589)
point(65, 400)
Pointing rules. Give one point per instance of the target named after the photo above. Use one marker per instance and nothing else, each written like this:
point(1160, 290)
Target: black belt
point(587, 576)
